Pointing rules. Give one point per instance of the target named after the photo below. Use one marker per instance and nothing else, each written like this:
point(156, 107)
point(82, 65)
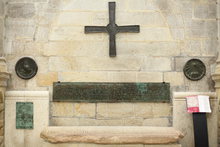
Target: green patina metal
point(111, 92)
point(24, 115)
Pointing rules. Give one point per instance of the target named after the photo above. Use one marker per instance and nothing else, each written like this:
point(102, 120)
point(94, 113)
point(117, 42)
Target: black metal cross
point(112, 29)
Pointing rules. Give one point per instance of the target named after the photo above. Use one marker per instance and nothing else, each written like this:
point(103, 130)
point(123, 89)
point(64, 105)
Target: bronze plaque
point(111, 92)
point(194, 69)
point(26, 68)
point(24, 115)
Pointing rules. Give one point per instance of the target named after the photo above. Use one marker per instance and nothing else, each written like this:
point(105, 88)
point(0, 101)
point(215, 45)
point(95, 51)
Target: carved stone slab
point(111, 92)
point(112, 135)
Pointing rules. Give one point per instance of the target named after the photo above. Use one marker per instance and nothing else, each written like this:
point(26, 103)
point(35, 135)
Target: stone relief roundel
point(26, 68)
point(194, 69)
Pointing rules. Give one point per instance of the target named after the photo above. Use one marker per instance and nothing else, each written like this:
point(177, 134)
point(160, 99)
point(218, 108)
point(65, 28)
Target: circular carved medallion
point(194, 69)
point(26, 68)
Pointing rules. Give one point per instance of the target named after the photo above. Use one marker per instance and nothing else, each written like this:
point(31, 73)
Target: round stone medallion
point(26, 68)
point(194, 69)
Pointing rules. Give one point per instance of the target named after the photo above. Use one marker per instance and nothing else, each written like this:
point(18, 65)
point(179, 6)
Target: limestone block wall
point(52, 32)
point(2, 12)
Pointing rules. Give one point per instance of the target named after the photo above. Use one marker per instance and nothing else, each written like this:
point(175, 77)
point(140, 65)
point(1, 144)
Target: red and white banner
point(198, 103)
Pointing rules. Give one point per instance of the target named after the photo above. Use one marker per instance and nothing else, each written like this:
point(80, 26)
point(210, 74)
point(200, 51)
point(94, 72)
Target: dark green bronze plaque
point(26, 68)
point(111, 92)
point(24, 115)
point(194, 69)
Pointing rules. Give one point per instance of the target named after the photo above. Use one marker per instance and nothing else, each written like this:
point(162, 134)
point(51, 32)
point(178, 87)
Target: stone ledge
point(27, 94)
point(181, 95)
point(112, 135)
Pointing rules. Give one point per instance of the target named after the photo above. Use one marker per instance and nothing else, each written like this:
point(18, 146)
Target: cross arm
point(95, 29)
point(129, 29)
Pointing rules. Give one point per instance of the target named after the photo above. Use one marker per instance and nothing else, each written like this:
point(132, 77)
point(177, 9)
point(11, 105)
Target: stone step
point(112, 135)
point(46, 144)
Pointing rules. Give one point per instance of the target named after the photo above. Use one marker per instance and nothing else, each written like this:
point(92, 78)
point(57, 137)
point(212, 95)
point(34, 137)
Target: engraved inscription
point(24, 115)
point(111, 92)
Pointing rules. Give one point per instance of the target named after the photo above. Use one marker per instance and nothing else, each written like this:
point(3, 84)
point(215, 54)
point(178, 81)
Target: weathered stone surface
point(47, 79)
point(62, 109)
point(205, 11)
point(94, 64)
point(21, 10)
point(157, 64)
point(202, 29)
point(1, 29)
point(46, 144)
point(20, 32)
point(174, 78)
point(192, 47)
point(143, 19)
point(99, 5)
point(114, 110)
point(78, 18)
point(84, 110)
point(143, 110)
point(122, 76)
point(161, 109)
point(84, 77)
point(2, 8)
point(161, 122)
point(149, 77)
point(112, 135)
point(154, 48)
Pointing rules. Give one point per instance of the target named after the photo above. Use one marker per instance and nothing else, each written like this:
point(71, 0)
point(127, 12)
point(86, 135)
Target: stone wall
point(52, 32)
point(2, 12)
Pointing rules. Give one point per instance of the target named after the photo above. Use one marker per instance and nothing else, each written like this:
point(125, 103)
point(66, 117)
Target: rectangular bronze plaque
point(111, 92)
point(24, 115)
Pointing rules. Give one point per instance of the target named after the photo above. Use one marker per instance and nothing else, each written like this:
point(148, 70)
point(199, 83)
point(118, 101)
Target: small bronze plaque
point(194, 69)
point(26, 68)
point(111, 92)
point(24, 115)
